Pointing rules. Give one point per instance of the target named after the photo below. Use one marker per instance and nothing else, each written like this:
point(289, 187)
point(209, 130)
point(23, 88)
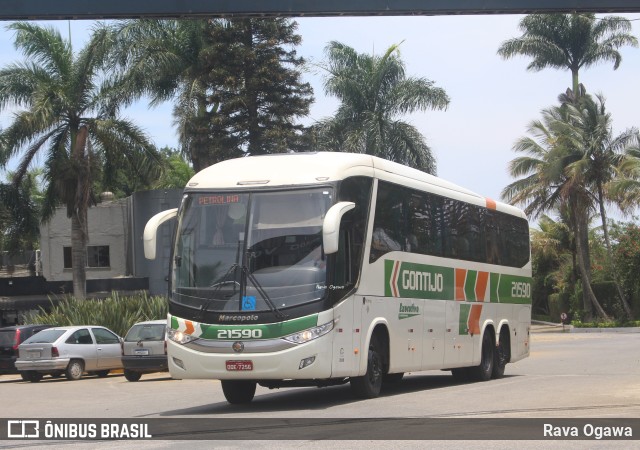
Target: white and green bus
point(315, 269)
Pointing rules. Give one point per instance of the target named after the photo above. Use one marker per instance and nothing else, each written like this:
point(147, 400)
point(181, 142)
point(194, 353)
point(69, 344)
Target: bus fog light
point(179, 363)
point(306, 362)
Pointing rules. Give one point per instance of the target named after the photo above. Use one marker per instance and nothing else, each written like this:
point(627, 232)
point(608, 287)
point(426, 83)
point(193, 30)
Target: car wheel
point(130, 375)
point(26, 375)
point(238, 391)
point(31, 375)
point(74, 370)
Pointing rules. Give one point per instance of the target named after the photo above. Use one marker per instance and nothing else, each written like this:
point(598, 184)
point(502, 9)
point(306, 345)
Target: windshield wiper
point(223, 281)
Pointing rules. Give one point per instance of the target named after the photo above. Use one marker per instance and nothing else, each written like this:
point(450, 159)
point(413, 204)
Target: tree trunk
point(584, 265)
point(79, 230)
point(78, 258)
point(605, 231)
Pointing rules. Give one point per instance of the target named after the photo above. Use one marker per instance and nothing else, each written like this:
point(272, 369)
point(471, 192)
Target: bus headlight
point(179, 336)
point(310, 334)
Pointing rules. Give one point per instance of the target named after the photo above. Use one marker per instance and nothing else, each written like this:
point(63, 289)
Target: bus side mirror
point(331, 226)
point(151, 229)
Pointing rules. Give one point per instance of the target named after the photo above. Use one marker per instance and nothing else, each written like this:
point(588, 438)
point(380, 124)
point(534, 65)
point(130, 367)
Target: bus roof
point(308, 168)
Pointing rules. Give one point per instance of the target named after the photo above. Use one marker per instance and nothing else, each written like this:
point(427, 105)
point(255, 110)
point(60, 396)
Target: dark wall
point(33, 286)
point(145, 205)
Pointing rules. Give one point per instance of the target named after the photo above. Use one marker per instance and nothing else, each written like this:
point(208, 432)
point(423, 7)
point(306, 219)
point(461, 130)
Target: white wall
point(107, 223)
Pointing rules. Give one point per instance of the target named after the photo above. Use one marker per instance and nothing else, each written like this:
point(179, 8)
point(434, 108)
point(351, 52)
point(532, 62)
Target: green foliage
point(606, 324)
point(177, 172)
point(626, 252)
point(558, 304)
point(116, 312)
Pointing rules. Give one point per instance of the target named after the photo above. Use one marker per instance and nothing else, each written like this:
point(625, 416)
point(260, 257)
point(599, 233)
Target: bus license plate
point(239, 365)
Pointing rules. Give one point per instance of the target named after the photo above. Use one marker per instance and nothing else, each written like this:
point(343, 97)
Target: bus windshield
point(250, 251)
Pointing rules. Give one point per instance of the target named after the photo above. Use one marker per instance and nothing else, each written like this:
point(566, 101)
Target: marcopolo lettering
point(230, 318)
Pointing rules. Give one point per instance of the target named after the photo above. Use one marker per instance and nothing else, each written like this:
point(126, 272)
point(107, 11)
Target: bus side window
point(388, 224)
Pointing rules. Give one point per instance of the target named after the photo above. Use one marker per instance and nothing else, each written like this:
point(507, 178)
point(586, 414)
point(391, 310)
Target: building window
point(97, 256)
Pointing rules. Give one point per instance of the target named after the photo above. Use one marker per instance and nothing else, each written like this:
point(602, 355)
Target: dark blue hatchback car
point(10, 339)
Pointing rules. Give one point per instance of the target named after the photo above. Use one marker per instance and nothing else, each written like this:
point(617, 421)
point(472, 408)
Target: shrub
point(118, 313)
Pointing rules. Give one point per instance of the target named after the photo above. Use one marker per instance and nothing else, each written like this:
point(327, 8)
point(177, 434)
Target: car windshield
point(146, 332)
point(45, 337)
point(250, 252)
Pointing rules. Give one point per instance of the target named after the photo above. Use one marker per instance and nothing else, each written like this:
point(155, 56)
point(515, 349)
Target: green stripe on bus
point(463, 318)
point(470, 285)
point(267, 331)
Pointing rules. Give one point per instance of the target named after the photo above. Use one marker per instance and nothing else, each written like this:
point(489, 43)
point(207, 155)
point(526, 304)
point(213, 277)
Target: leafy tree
point(374, 91)
point(551, 251)
point(166, 60)
point(569, 41)
point(67, 111)
point(177, 171)
point(20, 207)
point(257, 86)
point(626, 237)
point(236, 82)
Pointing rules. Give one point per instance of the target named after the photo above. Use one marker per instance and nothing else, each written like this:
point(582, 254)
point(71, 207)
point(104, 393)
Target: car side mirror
point(331, 226)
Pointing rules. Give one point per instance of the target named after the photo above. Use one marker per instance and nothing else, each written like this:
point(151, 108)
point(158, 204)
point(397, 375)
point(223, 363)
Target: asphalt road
point(589, 376)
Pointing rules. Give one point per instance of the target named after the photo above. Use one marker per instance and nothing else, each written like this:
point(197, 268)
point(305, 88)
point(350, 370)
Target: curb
point(556, 327)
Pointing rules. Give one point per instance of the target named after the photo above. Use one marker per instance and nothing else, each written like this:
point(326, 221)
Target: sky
point(492, 100)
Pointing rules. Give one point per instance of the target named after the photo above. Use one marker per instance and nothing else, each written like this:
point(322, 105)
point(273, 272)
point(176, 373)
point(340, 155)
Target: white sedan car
point(70, 351)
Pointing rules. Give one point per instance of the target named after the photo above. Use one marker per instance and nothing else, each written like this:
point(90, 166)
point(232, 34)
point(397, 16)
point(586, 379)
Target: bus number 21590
point(246, 333)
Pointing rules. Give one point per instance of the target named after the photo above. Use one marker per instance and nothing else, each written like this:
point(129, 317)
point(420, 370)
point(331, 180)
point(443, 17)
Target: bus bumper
point(311, 360)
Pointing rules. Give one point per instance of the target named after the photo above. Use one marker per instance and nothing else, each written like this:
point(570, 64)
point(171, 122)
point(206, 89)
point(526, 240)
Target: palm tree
point(546, 185)
point(625, 188)
point(67, 113)
point(602, 153)
point(373, 91)
point(569, 41)
point(167, 60)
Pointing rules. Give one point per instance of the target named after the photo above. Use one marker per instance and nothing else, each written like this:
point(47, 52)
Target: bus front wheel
point(369, 385)
point(238, 391)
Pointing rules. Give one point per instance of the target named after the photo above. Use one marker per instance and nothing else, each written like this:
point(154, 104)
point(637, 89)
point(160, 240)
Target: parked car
point(10, 339)
point(145, 349)
point(70, 351)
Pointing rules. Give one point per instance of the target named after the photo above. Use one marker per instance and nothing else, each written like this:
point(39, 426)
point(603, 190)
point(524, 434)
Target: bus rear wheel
point(369, 385)
point(483, 371)
point(238, 391)
point(499, 360)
